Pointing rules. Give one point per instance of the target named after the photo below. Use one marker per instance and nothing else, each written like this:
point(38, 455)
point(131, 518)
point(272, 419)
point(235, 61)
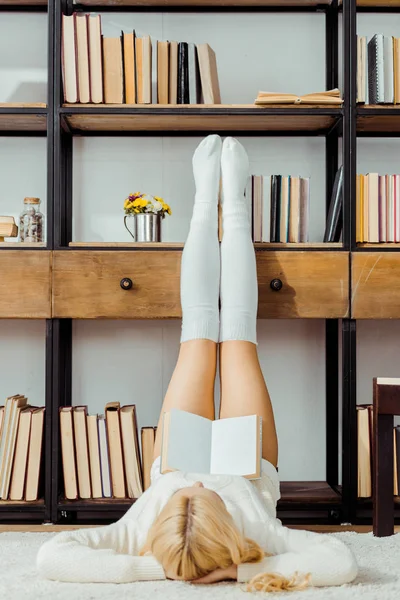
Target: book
point(114, 439)
point(266, 209)
point(104, 457)
point(94, 455)
point(376, 85)
point(129, 67)
point(294, 213)
point(173, 73)
point(82, 43)
point(68, 453)
point(364, 452)
point(130, 445)
point(208, 74)
point(275, 208)
point(1, 418)
point(82, 451)
point(397, 448)
point(143, 69)
point(257, 207)
point(194, 444)
point(328, 97)
point(373, 207)
point(95, 58)
point(69, 54)
point(148, 435)
point(183, 73)
point(163, 72)
point(35, 466)
point(304, 209)
point(113, 70)
point(194, 75)
point(284, 209)
point(334, 219)
point(382, 208)
point(18, 476)
point(13, 407)
point(396, 70)
point(388, 69)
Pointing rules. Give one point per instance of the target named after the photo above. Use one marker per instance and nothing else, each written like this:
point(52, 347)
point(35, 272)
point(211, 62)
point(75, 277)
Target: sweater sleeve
point(97, 555)
point(327, 559)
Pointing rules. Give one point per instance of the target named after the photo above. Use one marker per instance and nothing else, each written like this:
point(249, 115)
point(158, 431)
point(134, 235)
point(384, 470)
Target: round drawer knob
point(276, 285)
point(126, 283)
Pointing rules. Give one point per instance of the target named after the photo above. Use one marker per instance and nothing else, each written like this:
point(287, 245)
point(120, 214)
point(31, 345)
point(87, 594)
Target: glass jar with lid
point(31, 221)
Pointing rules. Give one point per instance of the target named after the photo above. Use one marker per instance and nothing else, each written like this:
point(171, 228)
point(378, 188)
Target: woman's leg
point(192, 384)
point(243, 389)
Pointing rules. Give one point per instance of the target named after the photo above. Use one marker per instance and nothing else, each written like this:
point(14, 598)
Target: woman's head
point(195, 534)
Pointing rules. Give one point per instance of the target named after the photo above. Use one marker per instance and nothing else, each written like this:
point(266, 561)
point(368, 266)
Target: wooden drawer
point(375, 285)
point(314, 285)
point(25, 284)
point(86, 285)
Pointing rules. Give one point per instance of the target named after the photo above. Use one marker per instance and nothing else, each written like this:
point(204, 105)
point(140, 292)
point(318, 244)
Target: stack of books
point(365, 441)
point(21, 450)
point(378, 208)
point(100, 453)
point(118, 70)
point(280, 207)
point(378, 69)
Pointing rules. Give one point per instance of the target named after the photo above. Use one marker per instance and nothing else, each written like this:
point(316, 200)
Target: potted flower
point(146, 213)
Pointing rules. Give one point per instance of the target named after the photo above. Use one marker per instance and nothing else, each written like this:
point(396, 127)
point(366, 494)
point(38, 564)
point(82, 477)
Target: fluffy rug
point(378, 579)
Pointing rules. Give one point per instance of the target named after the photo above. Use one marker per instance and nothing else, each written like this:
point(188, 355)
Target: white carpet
point(378, 579)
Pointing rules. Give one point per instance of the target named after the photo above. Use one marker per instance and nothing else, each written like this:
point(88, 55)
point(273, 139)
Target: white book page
point(235, 446)
point(189, 442)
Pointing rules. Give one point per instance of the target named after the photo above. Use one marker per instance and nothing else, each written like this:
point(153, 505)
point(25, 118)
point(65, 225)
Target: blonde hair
point(194, 535)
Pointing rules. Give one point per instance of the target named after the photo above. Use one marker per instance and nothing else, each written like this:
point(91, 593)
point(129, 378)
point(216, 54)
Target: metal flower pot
point(146, 227)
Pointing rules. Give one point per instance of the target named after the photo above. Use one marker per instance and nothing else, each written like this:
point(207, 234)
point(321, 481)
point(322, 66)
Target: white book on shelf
point(388, 69)
point(373, 207)
point(266, 209)
point(390, 210)
point(104, 460)
point(382, 209)
point(397, 208)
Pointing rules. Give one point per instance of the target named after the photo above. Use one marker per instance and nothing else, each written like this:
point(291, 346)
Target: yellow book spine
point(358, 206)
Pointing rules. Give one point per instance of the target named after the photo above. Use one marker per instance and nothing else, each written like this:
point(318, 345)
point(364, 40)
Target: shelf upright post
point(62, 185)
point(331, 325)
point(349, 450)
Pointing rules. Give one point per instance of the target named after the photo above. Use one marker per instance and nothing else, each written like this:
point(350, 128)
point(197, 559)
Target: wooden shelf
point(23, 117)
point(23, 503)
point(292, 492)
point(380, 118)
point(13, 245)
point(10, 4)
point(389, 245)
point(378, 3)
point(212, 3)
point(180, 245)
point(90, 118)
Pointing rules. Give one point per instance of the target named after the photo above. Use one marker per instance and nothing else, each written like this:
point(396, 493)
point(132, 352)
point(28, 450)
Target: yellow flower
point(159, 199)
point(126, 203)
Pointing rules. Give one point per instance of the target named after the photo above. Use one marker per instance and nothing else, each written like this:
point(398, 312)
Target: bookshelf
point(323, 278)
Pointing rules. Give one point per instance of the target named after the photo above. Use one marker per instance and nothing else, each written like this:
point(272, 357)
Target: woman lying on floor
point(209, 528)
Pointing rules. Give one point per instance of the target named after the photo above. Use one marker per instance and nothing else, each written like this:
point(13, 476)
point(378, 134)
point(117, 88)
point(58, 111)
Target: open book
point(328, 97)
point(224, 447)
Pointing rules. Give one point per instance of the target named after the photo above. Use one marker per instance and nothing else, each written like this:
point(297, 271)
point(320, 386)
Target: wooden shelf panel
point(23, 117)
point(379, 3)
point(389, 245)
point(13, 245)
point(13, 3)
point(292, 492)
point(193, 3)
point(86, 284)
point(378, 118)
point(198, 118)
point(180, 245)
point(14, 503)
point(375, 285)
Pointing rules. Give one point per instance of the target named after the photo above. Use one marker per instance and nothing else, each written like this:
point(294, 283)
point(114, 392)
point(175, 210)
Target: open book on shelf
point(328, 97)
point(195, 444)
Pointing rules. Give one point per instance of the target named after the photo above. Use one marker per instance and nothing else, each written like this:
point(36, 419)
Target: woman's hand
point(218, 575)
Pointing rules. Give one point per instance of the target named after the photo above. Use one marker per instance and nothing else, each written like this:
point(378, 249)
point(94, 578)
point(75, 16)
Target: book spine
point(278, 208)
point(183, 73)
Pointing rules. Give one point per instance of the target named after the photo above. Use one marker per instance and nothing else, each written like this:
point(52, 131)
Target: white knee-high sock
point(239, 289)
point(200, 267)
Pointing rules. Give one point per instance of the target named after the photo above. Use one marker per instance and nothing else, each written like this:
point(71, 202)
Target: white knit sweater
point(110, 553)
